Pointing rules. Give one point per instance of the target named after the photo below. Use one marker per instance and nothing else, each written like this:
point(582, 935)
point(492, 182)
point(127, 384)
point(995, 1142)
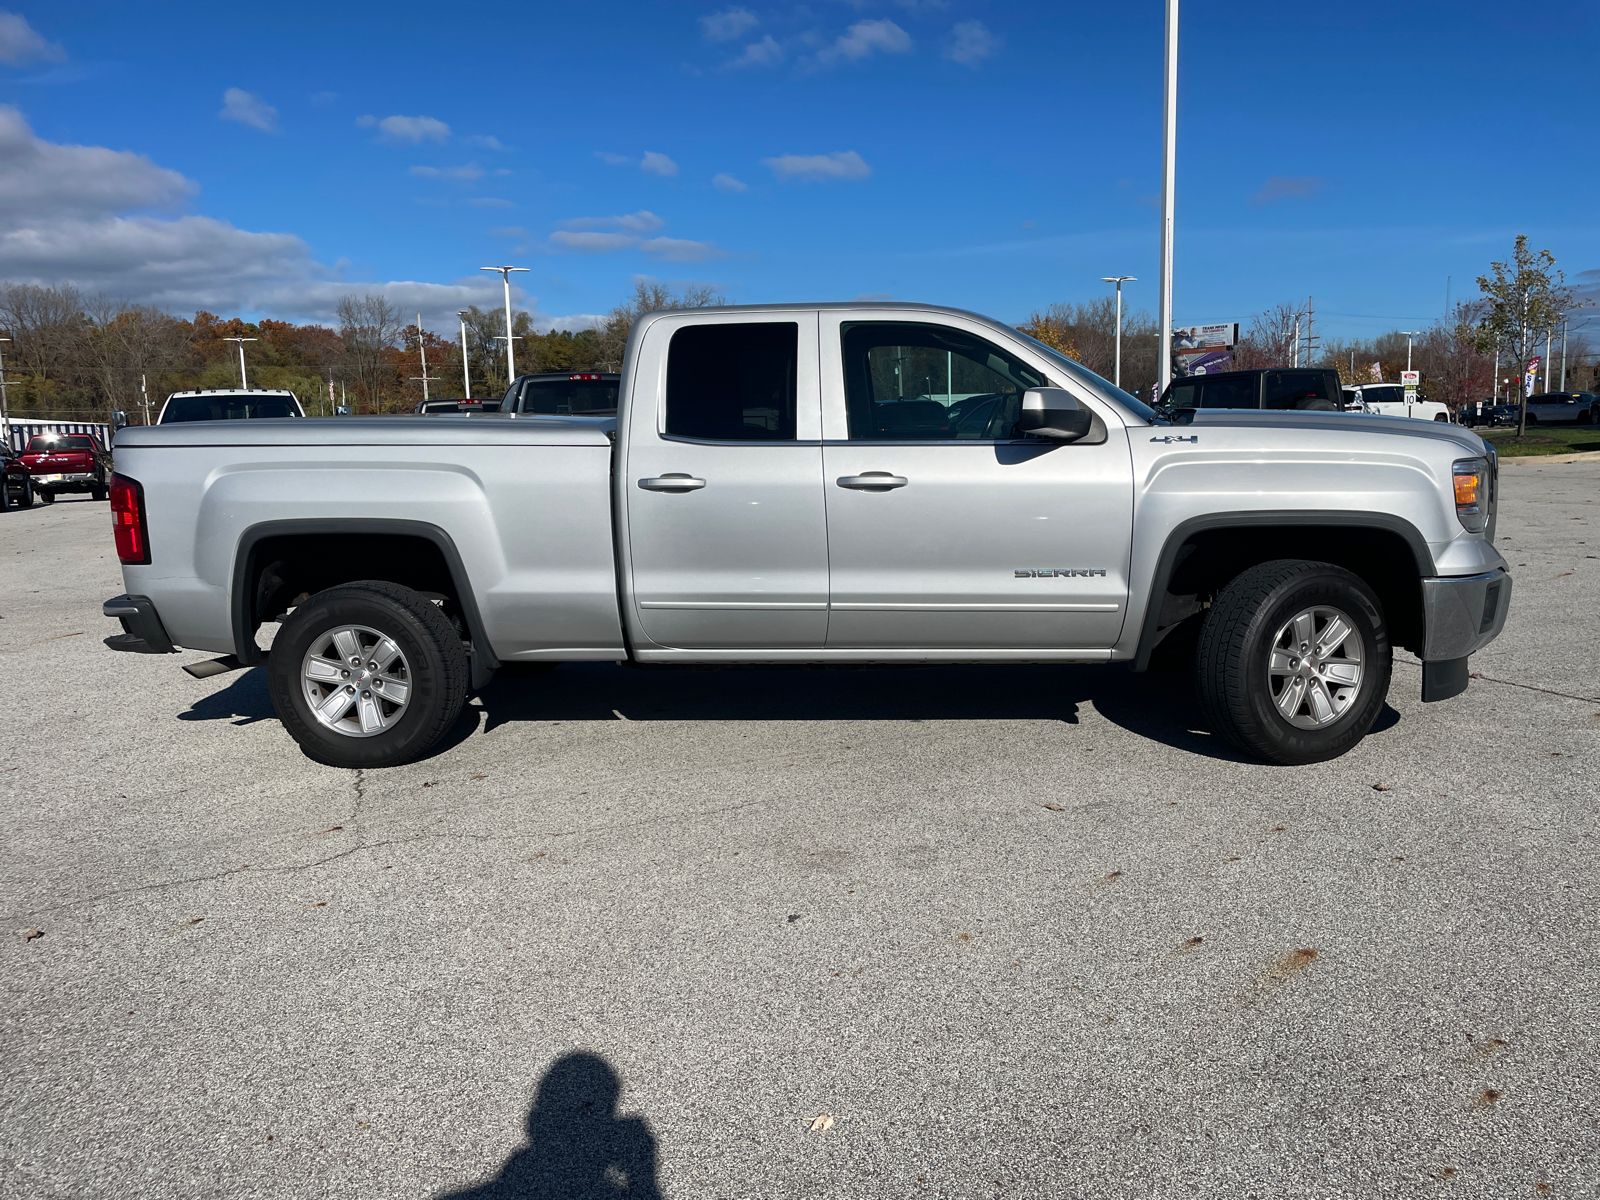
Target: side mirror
point(1053, 413)
point(119, 420)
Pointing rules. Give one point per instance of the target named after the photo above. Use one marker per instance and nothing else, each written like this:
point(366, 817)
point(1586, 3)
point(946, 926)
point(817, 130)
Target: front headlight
point(1471, 479)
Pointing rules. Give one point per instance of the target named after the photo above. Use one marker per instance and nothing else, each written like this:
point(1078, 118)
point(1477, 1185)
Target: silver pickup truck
point(835, 483)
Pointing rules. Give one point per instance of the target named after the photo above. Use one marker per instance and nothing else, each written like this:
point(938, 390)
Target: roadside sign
point(1411, 378)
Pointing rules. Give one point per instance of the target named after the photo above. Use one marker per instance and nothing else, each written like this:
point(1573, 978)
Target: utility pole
point(1549, 336)
point(1294, 359)
point(5, 408)
point(1563, 354)
point(243, 385)
point(505, 276)
point(422, 349)
point(144, 398)
point(1119, 280)
point(466, 373)
point(1311, 335)
point(1169, 192)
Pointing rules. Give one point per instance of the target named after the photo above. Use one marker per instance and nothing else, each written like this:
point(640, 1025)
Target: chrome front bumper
point(1463, 614)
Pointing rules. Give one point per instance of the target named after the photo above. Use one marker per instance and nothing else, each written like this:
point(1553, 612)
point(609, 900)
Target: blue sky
point(993, 156)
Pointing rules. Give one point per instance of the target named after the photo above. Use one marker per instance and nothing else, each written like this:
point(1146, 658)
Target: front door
point(727, 537)
point(946, 530)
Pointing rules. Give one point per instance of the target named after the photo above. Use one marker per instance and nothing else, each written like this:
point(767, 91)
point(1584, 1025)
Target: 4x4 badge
point(1173, 437)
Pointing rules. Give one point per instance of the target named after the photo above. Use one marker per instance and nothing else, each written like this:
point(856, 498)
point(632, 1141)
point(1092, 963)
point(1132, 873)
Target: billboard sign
point(1200, 339)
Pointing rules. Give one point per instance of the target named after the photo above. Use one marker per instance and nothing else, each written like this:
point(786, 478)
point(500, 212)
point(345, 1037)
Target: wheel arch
point(302, 553)
point(1203, 553)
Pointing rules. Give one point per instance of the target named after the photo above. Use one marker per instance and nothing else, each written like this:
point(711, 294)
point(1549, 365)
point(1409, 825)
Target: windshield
point(562, 396)
point(1089, 379)
point(227, 408)
point(58, 444)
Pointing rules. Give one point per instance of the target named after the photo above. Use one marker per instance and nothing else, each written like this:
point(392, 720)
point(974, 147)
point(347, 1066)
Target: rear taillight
point(127, 520)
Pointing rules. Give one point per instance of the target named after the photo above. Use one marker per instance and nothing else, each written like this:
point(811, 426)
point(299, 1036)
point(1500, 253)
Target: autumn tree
point(1523, 298)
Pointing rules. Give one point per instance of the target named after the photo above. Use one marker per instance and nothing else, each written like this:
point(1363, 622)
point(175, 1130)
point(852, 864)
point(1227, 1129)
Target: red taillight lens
point(127, 520)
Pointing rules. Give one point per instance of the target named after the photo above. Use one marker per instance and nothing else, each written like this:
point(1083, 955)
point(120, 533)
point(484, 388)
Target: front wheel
point(367, 674)
point(1293, 662)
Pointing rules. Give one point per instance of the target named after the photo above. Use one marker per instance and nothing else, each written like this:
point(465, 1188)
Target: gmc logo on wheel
point(1058, 572)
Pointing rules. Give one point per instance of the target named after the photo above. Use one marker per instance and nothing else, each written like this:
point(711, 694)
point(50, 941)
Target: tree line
point(75, 356)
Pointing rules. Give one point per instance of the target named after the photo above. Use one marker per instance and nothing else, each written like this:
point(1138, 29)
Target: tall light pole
point(1169, 193)
point(1410, 333)
point(243, 385)
point(1119, 280)
point(466, 374)
point(1563, 357)
point(511, 362)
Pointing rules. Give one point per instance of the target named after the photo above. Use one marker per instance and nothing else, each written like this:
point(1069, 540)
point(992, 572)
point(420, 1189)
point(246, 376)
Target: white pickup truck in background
point(1389, 400)
point(849, 483)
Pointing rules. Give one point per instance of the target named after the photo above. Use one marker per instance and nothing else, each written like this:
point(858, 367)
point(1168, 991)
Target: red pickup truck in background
point(67, 462)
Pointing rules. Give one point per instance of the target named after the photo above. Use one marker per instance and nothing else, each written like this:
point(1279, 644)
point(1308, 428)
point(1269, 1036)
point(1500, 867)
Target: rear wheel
point(99, 493)
point(367, 675)
point(1293, 662)
point(46, 497)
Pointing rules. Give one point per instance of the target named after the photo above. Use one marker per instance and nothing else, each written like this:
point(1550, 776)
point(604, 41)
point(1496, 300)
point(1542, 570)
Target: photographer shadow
point(579, 1147)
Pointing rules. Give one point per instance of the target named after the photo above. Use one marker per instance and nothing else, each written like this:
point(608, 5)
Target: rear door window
point(562, 396)
point(1225, 392)
point(733, 383)
point(1184, 395)
point(1298, 389)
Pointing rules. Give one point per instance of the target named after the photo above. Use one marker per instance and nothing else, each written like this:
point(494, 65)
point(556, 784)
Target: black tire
point(46, 497)
point(99, 493)
point(7, 500)
point(26, 500)
point(1236, 645)
point(435, 663)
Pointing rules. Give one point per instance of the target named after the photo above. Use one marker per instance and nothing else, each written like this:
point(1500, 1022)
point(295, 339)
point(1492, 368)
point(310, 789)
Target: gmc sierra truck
point(835, 483)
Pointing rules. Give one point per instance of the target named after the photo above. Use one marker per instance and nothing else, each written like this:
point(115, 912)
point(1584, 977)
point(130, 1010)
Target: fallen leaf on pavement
point(1381, 787)
point(30, 934)
point(480, 777)
point(822, 1122)
point(1055, 808)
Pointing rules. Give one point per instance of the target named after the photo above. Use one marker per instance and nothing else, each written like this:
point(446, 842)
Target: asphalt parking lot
point(938, 932)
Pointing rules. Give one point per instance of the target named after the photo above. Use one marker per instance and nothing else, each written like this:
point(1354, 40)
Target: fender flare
point(484, 661)
point(1184, 530)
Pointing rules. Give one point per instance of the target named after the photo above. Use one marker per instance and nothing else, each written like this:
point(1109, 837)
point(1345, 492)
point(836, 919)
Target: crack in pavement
point(1409, 662)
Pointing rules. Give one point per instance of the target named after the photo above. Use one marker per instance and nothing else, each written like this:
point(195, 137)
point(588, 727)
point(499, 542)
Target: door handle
point(872, 481)
point(672, 481)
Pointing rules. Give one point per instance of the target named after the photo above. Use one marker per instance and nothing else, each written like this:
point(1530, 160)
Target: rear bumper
point(142, 631)
point(66, 483)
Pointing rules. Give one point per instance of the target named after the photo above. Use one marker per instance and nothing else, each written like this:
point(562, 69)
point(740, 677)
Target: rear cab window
point(579, 393)
point(733, 382)
point(1299, 390)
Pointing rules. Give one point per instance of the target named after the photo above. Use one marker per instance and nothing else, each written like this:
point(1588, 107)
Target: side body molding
point(484, 661)
point(1262, 518)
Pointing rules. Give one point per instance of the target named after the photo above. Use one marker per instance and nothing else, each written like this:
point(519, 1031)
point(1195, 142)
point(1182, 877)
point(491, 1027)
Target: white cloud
point(46, 178)
point(248, 109)
point(466, 171)
point(765, 53)
point(486, 142)
point(727, 183)
point(20, 43)
point(725, 26)
point(642, 221)
point(679, 249)
point(65, 218)
point(605, 235)
point(412, 130)
point(657, 164)
point(846, 164)
point(972, 43)
point(614, 160)
point(865, 38)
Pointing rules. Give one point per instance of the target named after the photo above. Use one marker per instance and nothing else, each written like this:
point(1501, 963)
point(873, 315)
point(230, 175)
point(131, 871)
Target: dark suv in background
point(575, 393)
point(1310, 389)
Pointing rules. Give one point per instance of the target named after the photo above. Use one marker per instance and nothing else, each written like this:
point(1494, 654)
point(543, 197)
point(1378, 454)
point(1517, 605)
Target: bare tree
point(369, 326)
point(649, 295)
point(1087, 333)
point(1523, 298)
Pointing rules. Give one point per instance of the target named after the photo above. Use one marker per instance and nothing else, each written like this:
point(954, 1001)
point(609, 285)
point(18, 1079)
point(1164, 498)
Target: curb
point(1581, 456)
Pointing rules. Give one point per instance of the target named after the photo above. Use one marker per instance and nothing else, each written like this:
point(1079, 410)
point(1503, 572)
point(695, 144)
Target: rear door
point(722, 488)
point(946, 530)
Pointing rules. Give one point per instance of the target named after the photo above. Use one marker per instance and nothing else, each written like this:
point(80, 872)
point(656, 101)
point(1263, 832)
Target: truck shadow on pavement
point(579, 1146)
point(1158, 705)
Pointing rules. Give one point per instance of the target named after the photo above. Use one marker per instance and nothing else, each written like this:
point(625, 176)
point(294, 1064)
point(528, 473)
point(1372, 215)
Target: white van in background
point(1389, 400)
